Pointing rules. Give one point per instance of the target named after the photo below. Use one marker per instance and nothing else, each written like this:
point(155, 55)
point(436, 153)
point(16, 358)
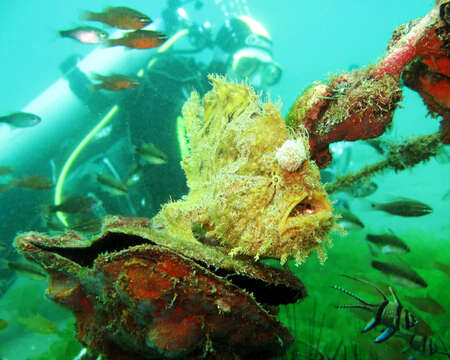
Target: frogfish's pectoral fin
point(385, 335)
point(370, 325)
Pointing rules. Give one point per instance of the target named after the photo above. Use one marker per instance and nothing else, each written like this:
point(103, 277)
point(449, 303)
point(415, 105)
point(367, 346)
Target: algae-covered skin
point(239, 195)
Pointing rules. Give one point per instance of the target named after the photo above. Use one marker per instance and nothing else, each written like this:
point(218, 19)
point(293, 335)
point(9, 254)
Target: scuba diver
point(241, 50)
point(150, 115)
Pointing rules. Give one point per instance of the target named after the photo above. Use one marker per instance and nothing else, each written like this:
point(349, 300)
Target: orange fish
point(120, 17)
point(140, 39)
point(115, 82)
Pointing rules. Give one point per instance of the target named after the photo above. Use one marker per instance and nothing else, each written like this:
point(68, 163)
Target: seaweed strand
point(400, 156)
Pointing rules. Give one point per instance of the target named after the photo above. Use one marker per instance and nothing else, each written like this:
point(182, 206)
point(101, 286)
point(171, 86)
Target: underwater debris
point(139, 292)
point(352, 106)
point(361, 188)
point(360, 104)
point(429, 74)
point(401, 155)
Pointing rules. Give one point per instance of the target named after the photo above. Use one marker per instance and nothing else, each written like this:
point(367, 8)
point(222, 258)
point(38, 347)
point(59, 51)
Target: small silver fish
point(401, 275)
point(348, 220)
point(404, 207)
point(151, 154)
point(20, 119)
point(111, 184)
point(72, 205)
point(85, 34)
point(388, 243)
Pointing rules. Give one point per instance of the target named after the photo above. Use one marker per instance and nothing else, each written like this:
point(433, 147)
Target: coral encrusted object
point(138, 294)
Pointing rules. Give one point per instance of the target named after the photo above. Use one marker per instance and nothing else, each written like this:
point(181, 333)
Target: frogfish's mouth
point(307, 211)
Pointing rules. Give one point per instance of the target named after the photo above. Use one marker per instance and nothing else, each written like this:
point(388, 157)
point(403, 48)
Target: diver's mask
point(255, 65)
point(250, 47)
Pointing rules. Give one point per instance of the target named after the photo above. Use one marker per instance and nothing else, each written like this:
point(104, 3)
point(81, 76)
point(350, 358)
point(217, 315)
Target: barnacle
point(291, 155)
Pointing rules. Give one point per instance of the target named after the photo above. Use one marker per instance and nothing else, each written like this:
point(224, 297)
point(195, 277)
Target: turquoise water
point(310, 40)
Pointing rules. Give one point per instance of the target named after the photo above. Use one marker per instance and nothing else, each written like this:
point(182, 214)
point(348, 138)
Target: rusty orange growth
point(361, 104)
point(137, 294)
